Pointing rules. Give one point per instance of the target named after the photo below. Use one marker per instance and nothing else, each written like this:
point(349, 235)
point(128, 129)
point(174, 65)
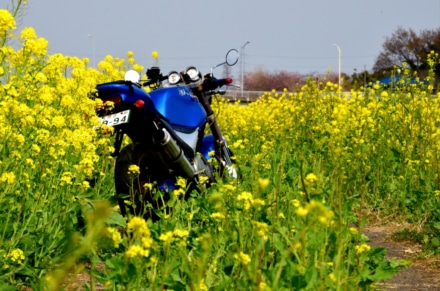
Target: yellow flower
point(218, 216)
point(137, 251)
point(353, 231)
point(384, 94)
point(148, 186)
point(263, 183)
point(203, 179)
point(247, 199)
point(178, 192)
point(301, 211)
point(311, 178)
point(85, 185)
point(66, 178)
point(155, 55)
point(181, 233)
point(9, 178)
point(202, 286)
point(295, 202)
point(147, 242)
point(227, 188)
point(258, 202)
point(134, 170)
point(28, 33)
point(262, 229)
point(137, 223)
point(181, 182)
point(243, 258)
point(7, 22)
point(58, 121)
point(166, 237)
point(16, 256)
point(362, 248)
point(35, 148)
point(115, 235)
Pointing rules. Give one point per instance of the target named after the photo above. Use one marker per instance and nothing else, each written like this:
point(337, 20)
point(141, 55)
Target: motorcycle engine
point(203, 167)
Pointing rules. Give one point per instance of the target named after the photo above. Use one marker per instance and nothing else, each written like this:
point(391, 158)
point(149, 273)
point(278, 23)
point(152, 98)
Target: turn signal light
point(139, 103)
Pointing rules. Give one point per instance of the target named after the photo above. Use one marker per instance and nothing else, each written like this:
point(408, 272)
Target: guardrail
point(245, 96)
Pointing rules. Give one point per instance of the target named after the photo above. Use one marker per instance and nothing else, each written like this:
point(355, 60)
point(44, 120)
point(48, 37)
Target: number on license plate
point(116, 118)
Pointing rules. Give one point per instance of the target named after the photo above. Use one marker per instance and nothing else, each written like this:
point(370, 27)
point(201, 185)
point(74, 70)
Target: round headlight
point(173, 78)
point(193, 74)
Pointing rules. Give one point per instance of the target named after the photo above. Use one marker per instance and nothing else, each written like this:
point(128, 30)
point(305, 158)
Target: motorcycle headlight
point(193, 74)
point(173, 78)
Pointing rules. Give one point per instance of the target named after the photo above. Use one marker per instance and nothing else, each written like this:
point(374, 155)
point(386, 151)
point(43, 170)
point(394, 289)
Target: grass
point(313, 164)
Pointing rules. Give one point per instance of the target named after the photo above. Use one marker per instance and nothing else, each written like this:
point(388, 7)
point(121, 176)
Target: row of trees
point(403, 47)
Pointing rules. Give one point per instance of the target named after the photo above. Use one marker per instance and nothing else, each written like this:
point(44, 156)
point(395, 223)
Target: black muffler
point(173, 152)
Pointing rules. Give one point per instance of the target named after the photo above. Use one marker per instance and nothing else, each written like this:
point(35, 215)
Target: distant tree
point(361, 79)
point(263, 80)
point(406, 46)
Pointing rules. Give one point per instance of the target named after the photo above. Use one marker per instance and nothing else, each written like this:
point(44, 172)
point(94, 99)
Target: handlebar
point(209, 82)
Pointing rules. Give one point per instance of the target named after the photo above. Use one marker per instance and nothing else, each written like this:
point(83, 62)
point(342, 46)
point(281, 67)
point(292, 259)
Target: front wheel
point(138, 191)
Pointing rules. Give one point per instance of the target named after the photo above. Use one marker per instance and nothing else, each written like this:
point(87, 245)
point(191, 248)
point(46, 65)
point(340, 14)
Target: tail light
point(115, 99)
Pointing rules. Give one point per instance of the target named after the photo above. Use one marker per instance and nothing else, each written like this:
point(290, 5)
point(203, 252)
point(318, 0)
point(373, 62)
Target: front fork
point(220, 144)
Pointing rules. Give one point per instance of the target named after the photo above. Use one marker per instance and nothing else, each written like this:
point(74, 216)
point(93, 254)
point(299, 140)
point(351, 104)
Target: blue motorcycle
point(166, 127)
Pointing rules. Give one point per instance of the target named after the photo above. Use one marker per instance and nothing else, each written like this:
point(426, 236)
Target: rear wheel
point(138, 193)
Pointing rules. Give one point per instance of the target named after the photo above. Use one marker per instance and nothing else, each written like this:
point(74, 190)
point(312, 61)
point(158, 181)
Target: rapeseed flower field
point(314, 163)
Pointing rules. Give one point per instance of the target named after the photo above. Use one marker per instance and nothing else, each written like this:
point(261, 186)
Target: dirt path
point(423, 274)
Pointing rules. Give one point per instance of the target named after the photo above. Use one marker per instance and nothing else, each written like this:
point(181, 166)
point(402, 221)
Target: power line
point(310, 57)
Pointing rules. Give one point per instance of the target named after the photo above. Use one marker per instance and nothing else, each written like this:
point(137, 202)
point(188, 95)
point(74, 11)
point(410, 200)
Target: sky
point(283, 35)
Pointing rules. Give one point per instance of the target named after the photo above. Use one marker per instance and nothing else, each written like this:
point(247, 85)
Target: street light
point(242, 67)
point(93, 47)
point(339, 65)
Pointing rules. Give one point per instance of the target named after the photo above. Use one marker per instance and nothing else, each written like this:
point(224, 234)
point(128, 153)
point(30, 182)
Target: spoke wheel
point(131, 187)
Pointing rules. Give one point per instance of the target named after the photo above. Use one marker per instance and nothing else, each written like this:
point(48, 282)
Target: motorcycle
point(166, 127)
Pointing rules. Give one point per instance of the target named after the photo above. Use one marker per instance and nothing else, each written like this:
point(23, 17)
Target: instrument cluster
point(190, 75)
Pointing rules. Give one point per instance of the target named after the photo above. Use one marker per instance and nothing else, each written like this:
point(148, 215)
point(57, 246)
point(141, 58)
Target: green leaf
point(116, 219)
point(6, 287)
point(385, 270)
point(114, 263)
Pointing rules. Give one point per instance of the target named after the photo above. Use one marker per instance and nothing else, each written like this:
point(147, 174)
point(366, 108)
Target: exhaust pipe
point(171, 150)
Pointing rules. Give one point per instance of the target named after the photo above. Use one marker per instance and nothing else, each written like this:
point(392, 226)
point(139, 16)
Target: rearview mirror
point(232, 57)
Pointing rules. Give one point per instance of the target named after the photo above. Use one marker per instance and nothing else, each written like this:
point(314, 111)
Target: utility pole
point(242, 67)
point(339, 66)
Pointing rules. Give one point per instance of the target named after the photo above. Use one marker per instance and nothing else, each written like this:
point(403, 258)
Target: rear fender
point(127, 92)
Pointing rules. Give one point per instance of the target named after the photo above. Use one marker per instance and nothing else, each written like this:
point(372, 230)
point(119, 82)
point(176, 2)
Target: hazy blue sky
point(289, 35)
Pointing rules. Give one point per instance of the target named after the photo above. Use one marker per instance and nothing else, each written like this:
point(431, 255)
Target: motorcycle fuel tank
point(182, 110)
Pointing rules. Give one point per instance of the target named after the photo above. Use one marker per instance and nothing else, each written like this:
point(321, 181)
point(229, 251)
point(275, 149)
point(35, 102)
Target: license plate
point(115, 118)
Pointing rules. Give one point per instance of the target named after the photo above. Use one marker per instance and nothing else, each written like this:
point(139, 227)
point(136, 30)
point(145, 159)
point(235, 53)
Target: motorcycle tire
point(131, 187)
